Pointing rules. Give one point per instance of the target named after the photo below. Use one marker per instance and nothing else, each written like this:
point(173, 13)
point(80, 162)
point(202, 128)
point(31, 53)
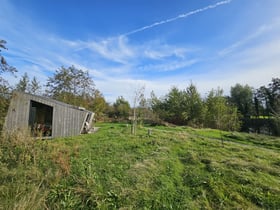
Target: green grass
point(173, 168)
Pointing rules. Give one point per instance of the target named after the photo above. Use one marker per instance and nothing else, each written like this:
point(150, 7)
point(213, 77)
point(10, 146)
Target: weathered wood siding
point(18, 112)
point(67, 120)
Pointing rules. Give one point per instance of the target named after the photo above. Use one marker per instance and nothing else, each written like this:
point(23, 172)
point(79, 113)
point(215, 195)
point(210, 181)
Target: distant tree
point(4, 66)
point(242, 97)
point(34, 87)
point(70, 85)
point(156, 105)
point(5, 89)
point(23, 83)
point(97, 103)
point(121, 108)
point(274, 95)
point(180, 107)
point(220, 114)
point(5, 93)
point(145, 113)
point(138, 98)
point(268, 98)
point(262, 99)
point(257, 108)
point(174, 106)
point(193, 109)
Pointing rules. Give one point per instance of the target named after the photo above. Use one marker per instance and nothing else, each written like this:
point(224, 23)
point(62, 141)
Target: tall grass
point(20, 177)
point(169, 168)
point(28, 167)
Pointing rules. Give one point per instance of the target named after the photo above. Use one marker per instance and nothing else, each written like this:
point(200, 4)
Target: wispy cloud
point(262, 30)
point(158, 50)
point(115, 49)
point(185, 15)
point(168, 66)
point(119, 63)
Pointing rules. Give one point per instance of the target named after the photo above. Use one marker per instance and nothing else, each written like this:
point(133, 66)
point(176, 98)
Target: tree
point(156, 105)
point(121, 108)
point(173, 105)
point(138, 97)
point(34, 87)
point(145, 112)
point(269, 100)
point(219, 113)
point(23, 83)
point(193, 109)
point(274, 95)
point(97, 104)
point(5, 89)
point(269, 97)
point(242, 97)
point(5, 93)
point(4, 66)
point(71, 85)
point(180, 107)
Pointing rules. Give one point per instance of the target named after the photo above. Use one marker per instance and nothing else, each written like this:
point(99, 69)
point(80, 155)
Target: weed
point(172, 168)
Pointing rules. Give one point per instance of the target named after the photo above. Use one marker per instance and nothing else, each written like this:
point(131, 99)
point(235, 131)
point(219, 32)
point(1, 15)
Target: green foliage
point(270, 96)
point(121, 109)
point(97, 104)
point(242, 97)
point(5, 88)
point(219, 114)
point(267, 103)
point(75, 86)
point(187, 108)
point(4, 66)
point(173, 168)
point(5, 92)
point(70, 85)
point(34, 86)
point(23, 83)
point(194, 108)
point(172, 108)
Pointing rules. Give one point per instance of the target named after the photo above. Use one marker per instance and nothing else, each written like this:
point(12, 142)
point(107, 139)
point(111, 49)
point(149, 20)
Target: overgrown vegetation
point(245, 108)
point(171, 168)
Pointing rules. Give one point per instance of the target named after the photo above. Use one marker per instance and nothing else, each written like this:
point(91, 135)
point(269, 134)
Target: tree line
point(245, 109)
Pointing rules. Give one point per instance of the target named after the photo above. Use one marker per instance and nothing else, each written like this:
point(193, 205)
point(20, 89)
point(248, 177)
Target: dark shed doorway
point(40, 119)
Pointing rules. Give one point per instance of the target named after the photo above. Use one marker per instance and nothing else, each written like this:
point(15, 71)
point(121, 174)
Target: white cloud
point(267, 29)
point(157, 50)
point(168, 66)
point(115, 49)
point(185, 15)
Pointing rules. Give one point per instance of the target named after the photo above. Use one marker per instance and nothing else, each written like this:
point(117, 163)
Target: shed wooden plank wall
point(18, 112)
point(67, 119)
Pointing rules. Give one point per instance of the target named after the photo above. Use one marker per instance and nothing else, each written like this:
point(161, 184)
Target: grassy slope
point(174, 168)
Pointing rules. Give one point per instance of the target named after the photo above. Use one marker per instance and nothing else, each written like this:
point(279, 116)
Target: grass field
point(172, 168)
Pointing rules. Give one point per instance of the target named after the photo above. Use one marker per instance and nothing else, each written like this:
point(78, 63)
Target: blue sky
point(158, 44)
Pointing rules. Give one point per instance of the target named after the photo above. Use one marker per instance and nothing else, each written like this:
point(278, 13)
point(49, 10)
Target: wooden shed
point(46, 116)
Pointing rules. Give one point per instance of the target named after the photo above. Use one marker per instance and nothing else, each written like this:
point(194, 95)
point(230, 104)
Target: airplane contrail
point(185, 15)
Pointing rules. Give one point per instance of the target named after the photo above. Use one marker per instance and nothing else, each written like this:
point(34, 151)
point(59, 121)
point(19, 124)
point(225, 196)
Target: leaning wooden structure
point(47, 117)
